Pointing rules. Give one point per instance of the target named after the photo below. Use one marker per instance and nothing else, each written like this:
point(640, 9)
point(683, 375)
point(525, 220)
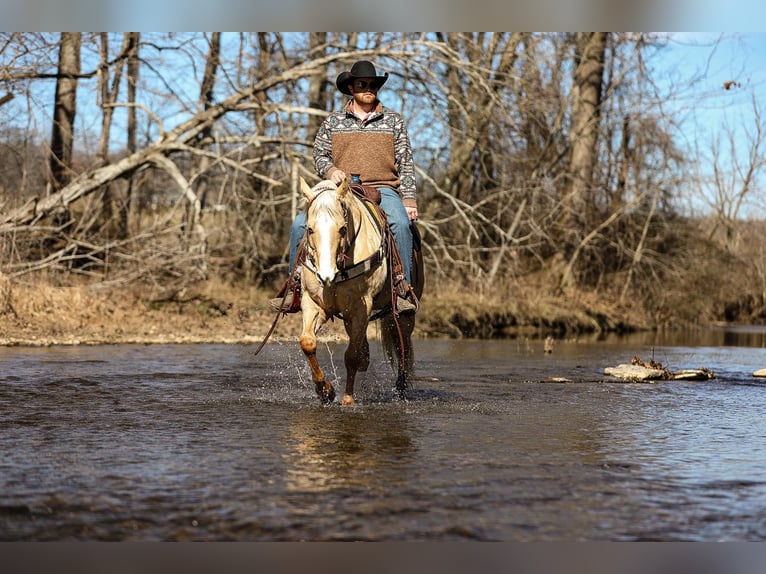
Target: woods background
point(554, 192)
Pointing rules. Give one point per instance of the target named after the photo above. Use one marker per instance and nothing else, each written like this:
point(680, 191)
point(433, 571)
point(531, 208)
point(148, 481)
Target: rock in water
point(635, 373)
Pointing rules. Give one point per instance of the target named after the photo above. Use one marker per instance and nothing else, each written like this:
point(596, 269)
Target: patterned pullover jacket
point(377, 148)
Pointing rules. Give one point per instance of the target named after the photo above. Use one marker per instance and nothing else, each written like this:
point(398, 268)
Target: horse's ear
point(306, 190)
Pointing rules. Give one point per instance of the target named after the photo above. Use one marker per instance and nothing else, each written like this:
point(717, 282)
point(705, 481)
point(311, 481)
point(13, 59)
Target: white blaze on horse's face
point(326, 244)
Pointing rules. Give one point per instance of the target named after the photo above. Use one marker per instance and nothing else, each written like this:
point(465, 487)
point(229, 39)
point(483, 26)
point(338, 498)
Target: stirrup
point(405, 306)
point(290, 303)
point(288, 299)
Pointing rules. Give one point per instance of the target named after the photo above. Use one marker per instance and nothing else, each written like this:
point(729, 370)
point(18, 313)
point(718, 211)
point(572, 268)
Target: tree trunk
point(108, 94)
point(65, 107)
point(590, 54)
point(317, 84)
point(205, 101)
point(194, 236)
point(132, 39)
point(626, 159)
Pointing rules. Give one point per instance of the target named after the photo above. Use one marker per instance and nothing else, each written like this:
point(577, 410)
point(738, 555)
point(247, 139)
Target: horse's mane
point(327, 199)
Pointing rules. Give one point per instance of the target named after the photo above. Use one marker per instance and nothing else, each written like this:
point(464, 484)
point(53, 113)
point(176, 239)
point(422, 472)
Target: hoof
point(326, 393)
point(401, 387)
point(347, 401)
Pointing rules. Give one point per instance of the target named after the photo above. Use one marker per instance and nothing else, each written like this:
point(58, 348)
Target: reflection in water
point(329, 450)
point(728, 336)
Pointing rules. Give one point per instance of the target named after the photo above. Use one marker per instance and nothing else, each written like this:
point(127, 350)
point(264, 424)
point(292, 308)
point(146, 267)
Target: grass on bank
point(47, 311)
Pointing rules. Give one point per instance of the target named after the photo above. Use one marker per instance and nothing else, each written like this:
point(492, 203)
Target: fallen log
point(693, 375)
point(651, 371)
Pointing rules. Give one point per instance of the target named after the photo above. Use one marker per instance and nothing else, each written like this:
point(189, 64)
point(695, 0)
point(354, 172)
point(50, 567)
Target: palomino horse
point(345, 274)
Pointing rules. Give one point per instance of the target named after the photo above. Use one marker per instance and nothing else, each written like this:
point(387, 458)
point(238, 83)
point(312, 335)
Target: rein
point(290, 277)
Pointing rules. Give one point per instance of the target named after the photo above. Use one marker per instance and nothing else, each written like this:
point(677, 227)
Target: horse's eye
point(343, 231)
point(309, 230)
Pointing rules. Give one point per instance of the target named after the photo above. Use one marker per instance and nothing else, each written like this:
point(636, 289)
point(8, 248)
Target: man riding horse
point(368, 139)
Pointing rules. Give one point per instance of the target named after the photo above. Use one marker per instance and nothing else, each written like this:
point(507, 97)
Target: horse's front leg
point(357, 357)
point(313, 319)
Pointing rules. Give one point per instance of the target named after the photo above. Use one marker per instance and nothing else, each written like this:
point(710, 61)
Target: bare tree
point(318, 96)
point(540, 156)
point(64, 109)
point(735, 173)
point(474, 87)
point(109, 87)
point(590, 51)
point(193, 223)
point(132, 41)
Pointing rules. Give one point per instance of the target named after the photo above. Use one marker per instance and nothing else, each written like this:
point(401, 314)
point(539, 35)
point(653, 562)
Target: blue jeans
point(392, 206)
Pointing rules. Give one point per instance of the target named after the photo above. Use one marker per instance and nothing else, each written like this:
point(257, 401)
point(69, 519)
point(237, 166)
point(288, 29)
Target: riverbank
point(43, 314)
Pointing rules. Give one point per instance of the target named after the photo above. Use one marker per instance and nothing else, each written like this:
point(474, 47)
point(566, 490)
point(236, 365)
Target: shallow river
point(498, 441)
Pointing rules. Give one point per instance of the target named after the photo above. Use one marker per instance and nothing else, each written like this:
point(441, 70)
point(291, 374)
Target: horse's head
point(327, 233)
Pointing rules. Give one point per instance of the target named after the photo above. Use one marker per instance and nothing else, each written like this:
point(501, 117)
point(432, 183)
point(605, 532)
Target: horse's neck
point(368, 235)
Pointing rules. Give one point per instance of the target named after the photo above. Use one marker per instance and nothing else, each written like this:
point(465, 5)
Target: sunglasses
point(364, 84)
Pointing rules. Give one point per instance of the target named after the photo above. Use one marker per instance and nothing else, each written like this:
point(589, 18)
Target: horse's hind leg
point(404, 369)
point(397, 343)
point(401, 385)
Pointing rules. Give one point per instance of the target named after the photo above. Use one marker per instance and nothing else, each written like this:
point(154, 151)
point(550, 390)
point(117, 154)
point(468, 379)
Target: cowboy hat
point(362, 69)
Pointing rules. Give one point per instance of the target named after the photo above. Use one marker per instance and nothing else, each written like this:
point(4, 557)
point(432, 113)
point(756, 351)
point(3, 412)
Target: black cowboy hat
point(362, 69)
